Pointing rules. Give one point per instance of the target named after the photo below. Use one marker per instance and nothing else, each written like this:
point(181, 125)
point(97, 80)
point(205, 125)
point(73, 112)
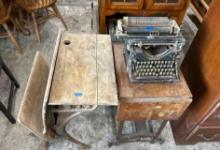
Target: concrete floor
point(95, 128)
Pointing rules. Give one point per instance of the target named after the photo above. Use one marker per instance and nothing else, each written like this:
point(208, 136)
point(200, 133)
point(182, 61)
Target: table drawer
point(166, 4)
point(125, 4)
point(150, 110)
point(206, 135)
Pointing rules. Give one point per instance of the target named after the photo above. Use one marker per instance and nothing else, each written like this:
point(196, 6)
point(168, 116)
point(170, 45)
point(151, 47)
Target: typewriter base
point(141, 134)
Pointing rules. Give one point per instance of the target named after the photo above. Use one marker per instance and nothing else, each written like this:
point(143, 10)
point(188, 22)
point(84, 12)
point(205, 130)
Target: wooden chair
point(31, 6)
point(33, 112)
point(5, 13)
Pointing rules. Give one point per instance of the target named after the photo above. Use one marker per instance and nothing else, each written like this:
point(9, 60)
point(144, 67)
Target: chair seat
point(33, 111)
point(31, 6)
point(4, 14)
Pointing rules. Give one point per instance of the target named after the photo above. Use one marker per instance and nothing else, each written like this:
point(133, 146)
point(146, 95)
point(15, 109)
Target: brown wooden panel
point(167, 5)
point(206, 135)
point(125, 4)
point(213, 119)
point(32, 114)
point(139, 8)
point(161, 110)
point(200, 69)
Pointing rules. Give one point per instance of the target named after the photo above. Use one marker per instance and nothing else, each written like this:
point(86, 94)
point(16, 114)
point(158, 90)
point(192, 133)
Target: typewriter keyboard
point(154, 68)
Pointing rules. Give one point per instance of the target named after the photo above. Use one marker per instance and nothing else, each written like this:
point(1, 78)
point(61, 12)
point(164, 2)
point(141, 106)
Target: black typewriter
point(152, 49)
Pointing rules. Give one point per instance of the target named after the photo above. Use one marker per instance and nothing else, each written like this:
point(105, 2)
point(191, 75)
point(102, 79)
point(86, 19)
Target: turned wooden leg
point(55, 9)
point(17, 45)
point(35, 26)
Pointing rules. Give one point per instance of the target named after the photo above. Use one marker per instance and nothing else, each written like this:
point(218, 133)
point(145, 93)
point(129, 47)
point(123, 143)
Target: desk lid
point(84, 71)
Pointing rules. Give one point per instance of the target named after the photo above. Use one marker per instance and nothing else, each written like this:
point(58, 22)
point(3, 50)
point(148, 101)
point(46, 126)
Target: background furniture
point(109, 8)
point(201, 122)
point(14, 86)
point(200, 8)
point(31, 6)
point(141, 102)
point(5, 17)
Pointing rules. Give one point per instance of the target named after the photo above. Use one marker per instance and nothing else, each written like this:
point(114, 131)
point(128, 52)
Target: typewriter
point(152, 48)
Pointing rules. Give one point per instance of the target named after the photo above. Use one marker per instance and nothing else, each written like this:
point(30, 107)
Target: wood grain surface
point(109, 9)
point(201, 69)
point(84, 71)
point(32, 113)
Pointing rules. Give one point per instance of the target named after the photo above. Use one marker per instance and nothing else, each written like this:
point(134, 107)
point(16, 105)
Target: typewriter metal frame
point(158, 34)
point(169, 57)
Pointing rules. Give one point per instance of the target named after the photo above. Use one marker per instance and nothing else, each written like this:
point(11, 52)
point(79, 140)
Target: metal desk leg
point(63, 120)
point(157, 134)
point(120, 127)
point(8, 72)
point(14, 86)
point(7, 113)
point(141, 133)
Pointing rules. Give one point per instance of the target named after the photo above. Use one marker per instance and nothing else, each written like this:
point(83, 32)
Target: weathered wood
point(50, 76)
point(107, 88)
point(84, 72)
point(201, 69)
point(31, 114)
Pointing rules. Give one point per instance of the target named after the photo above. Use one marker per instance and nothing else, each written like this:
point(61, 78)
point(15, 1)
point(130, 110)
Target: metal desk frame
point(13, 88)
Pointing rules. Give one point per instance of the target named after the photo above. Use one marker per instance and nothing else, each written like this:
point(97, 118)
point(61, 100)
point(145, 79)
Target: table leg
point(120, 127)
point(63, 120)
point(157, 134)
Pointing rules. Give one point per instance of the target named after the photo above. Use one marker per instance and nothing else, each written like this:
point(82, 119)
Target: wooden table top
point(84, 71)
point(146, 92)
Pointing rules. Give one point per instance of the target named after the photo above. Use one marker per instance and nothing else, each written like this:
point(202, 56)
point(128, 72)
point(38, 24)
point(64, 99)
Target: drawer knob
point(208, 138)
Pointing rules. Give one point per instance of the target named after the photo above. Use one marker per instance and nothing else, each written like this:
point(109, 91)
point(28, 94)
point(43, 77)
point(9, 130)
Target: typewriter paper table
point(141, 102)
point(83, 77)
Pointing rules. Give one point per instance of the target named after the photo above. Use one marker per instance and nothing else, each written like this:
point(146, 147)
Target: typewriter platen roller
point(149, 25)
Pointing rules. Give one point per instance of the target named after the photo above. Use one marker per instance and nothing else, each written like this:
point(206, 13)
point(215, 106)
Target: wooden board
point(107, 88)
point(32, 114)
point(139, 92)
point(84, 71)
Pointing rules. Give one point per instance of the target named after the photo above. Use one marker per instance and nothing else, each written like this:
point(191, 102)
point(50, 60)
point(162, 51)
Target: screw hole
point(67, 42)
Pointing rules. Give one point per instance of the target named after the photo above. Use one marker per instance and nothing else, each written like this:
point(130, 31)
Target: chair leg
point(35, 26)
point(16, 44)
point(55, 9)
